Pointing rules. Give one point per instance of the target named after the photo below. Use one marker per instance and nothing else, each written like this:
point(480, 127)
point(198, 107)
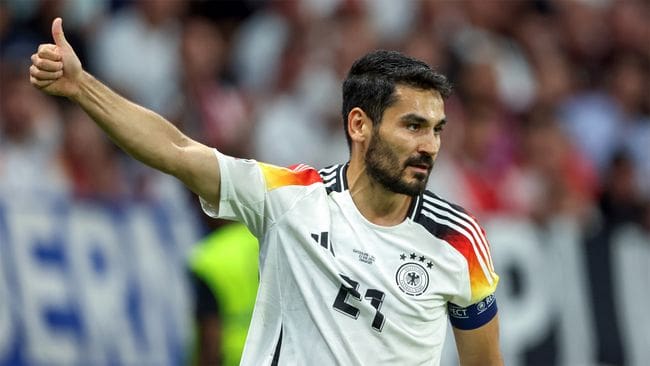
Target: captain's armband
point(473, 316)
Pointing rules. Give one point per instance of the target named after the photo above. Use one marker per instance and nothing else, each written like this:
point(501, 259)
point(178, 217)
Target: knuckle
point(35, 82)
point(37, 73)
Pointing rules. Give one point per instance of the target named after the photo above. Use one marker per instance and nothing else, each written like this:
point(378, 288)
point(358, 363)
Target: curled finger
point(43, 74)
point(46, 65)
point(49, 52)
point(39, 83)
point(46, 46)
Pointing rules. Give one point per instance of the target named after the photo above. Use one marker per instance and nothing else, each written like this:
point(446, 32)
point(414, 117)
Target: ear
point(359, 125)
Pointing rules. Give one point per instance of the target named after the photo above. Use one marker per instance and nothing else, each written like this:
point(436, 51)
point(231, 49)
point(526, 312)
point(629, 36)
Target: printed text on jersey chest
point(364, 257)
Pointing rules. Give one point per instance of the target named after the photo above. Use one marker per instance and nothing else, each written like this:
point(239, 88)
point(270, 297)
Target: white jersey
point(336, 289)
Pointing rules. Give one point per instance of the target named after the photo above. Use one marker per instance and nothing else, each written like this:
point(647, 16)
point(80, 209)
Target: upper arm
point(197, 167)
point(479, 346)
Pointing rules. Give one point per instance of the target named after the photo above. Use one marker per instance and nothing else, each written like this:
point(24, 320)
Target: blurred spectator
point(629, 86)
point(540, 37)
point(29, 136)
point(620, 200)
point(482, 41)
point(306, 96)
point(259, 41)
point(136, 52)
point(286, 114)
point(213, 111)
point(630, 27)
point(478, 163)
point(425, 45)
point(560, 181)
point(32, 26)
point(591, 120)
point(601, 121)
point(586, 36)
point(90, 161)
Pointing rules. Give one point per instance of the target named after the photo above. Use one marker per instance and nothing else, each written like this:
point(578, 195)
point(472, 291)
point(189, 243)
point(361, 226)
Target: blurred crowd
point(550, 115)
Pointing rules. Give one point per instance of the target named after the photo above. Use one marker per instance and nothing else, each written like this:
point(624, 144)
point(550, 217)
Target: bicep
point(479, 346)
point(197, 167)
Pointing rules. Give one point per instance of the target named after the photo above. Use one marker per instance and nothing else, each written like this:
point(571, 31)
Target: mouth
point(421, 165)
point(420, 168)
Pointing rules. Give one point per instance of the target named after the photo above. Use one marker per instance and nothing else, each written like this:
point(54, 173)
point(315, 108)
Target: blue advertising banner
point(93, 284)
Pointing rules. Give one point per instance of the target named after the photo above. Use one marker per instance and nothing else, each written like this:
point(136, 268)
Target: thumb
point(57, 33)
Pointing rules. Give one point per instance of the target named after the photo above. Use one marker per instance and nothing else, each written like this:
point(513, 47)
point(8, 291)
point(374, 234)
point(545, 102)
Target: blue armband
point(473, 316)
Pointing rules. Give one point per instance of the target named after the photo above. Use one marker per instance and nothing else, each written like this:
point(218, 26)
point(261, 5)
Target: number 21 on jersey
point(375, 296)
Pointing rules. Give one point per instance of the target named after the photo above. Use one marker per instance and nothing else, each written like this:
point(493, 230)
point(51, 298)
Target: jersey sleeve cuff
point(219, 210)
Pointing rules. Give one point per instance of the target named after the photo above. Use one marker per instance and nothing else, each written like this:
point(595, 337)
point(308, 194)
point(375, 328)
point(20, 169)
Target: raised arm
point(141, 133)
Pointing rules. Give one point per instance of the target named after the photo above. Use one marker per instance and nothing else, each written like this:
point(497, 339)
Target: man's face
point(401, 151)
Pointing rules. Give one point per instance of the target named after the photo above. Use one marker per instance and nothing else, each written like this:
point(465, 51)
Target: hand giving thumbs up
point(56, 69)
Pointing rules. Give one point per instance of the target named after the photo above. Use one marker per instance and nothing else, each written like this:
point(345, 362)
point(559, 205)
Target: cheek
point(401, 149)
point(402, 142)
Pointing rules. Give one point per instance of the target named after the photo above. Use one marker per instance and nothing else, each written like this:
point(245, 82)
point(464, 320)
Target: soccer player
point(360, 265)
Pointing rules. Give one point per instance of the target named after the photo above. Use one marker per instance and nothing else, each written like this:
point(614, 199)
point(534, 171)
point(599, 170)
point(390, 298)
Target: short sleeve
point(242, 193)
point(478, 280)
point(258, 194)
point(475, 304)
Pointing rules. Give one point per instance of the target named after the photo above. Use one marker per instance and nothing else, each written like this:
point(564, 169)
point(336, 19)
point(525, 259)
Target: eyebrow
point(414, 118)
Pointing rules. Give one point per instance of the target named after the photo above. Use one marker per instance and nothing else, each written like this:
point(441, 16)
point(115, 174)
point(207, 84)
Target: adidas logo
point(323, 240)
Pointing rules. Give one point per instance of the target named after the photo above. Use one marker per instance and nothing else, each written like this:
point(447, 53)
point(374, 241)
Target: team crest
point(412, 279)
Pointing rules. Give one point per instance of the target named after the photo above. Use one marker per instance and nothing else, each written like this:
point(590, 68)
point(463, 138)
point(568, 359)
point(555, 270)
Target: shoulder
point(295, 175)
point(458, 228)
point(450, 222)
point(332, 177)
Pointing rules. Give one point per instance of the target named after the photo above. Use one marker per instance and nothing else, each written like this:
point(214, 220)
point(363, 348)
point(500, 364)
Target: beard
point(384, 167)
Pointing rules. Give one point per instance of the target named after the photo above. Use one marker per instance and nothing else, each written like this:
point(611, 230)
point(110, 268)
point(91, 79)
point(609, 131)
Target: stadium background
point(547, 142)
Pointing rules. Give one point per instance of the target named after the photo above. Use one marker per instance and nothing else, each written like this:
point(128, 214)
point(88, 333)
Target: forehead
point(425, 103)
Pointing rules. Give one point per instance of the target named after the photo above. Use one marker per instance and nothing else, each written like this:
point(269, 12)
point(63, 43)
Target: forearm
point(141, 133)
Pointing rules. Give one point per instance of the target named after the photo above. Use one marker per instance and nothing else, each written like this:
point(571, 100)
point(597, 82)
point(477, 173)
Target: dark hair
point(370, 84)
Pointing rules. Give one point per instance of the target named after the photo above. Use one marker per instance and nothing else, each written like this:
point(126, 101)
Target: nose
point(429, 144)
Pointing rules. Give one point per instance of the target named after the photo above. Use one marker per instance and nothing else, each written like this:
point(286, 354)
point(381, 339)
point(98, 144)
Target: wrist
point(82, 84)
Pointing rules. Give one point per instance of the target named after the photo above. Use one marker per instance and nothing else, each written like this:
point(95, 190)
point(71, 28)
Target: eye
point(413, 126)
point(438, 129)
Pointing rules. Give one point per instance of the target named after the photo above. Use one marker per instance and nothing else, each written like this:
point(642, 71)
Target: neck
point(376, 203)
